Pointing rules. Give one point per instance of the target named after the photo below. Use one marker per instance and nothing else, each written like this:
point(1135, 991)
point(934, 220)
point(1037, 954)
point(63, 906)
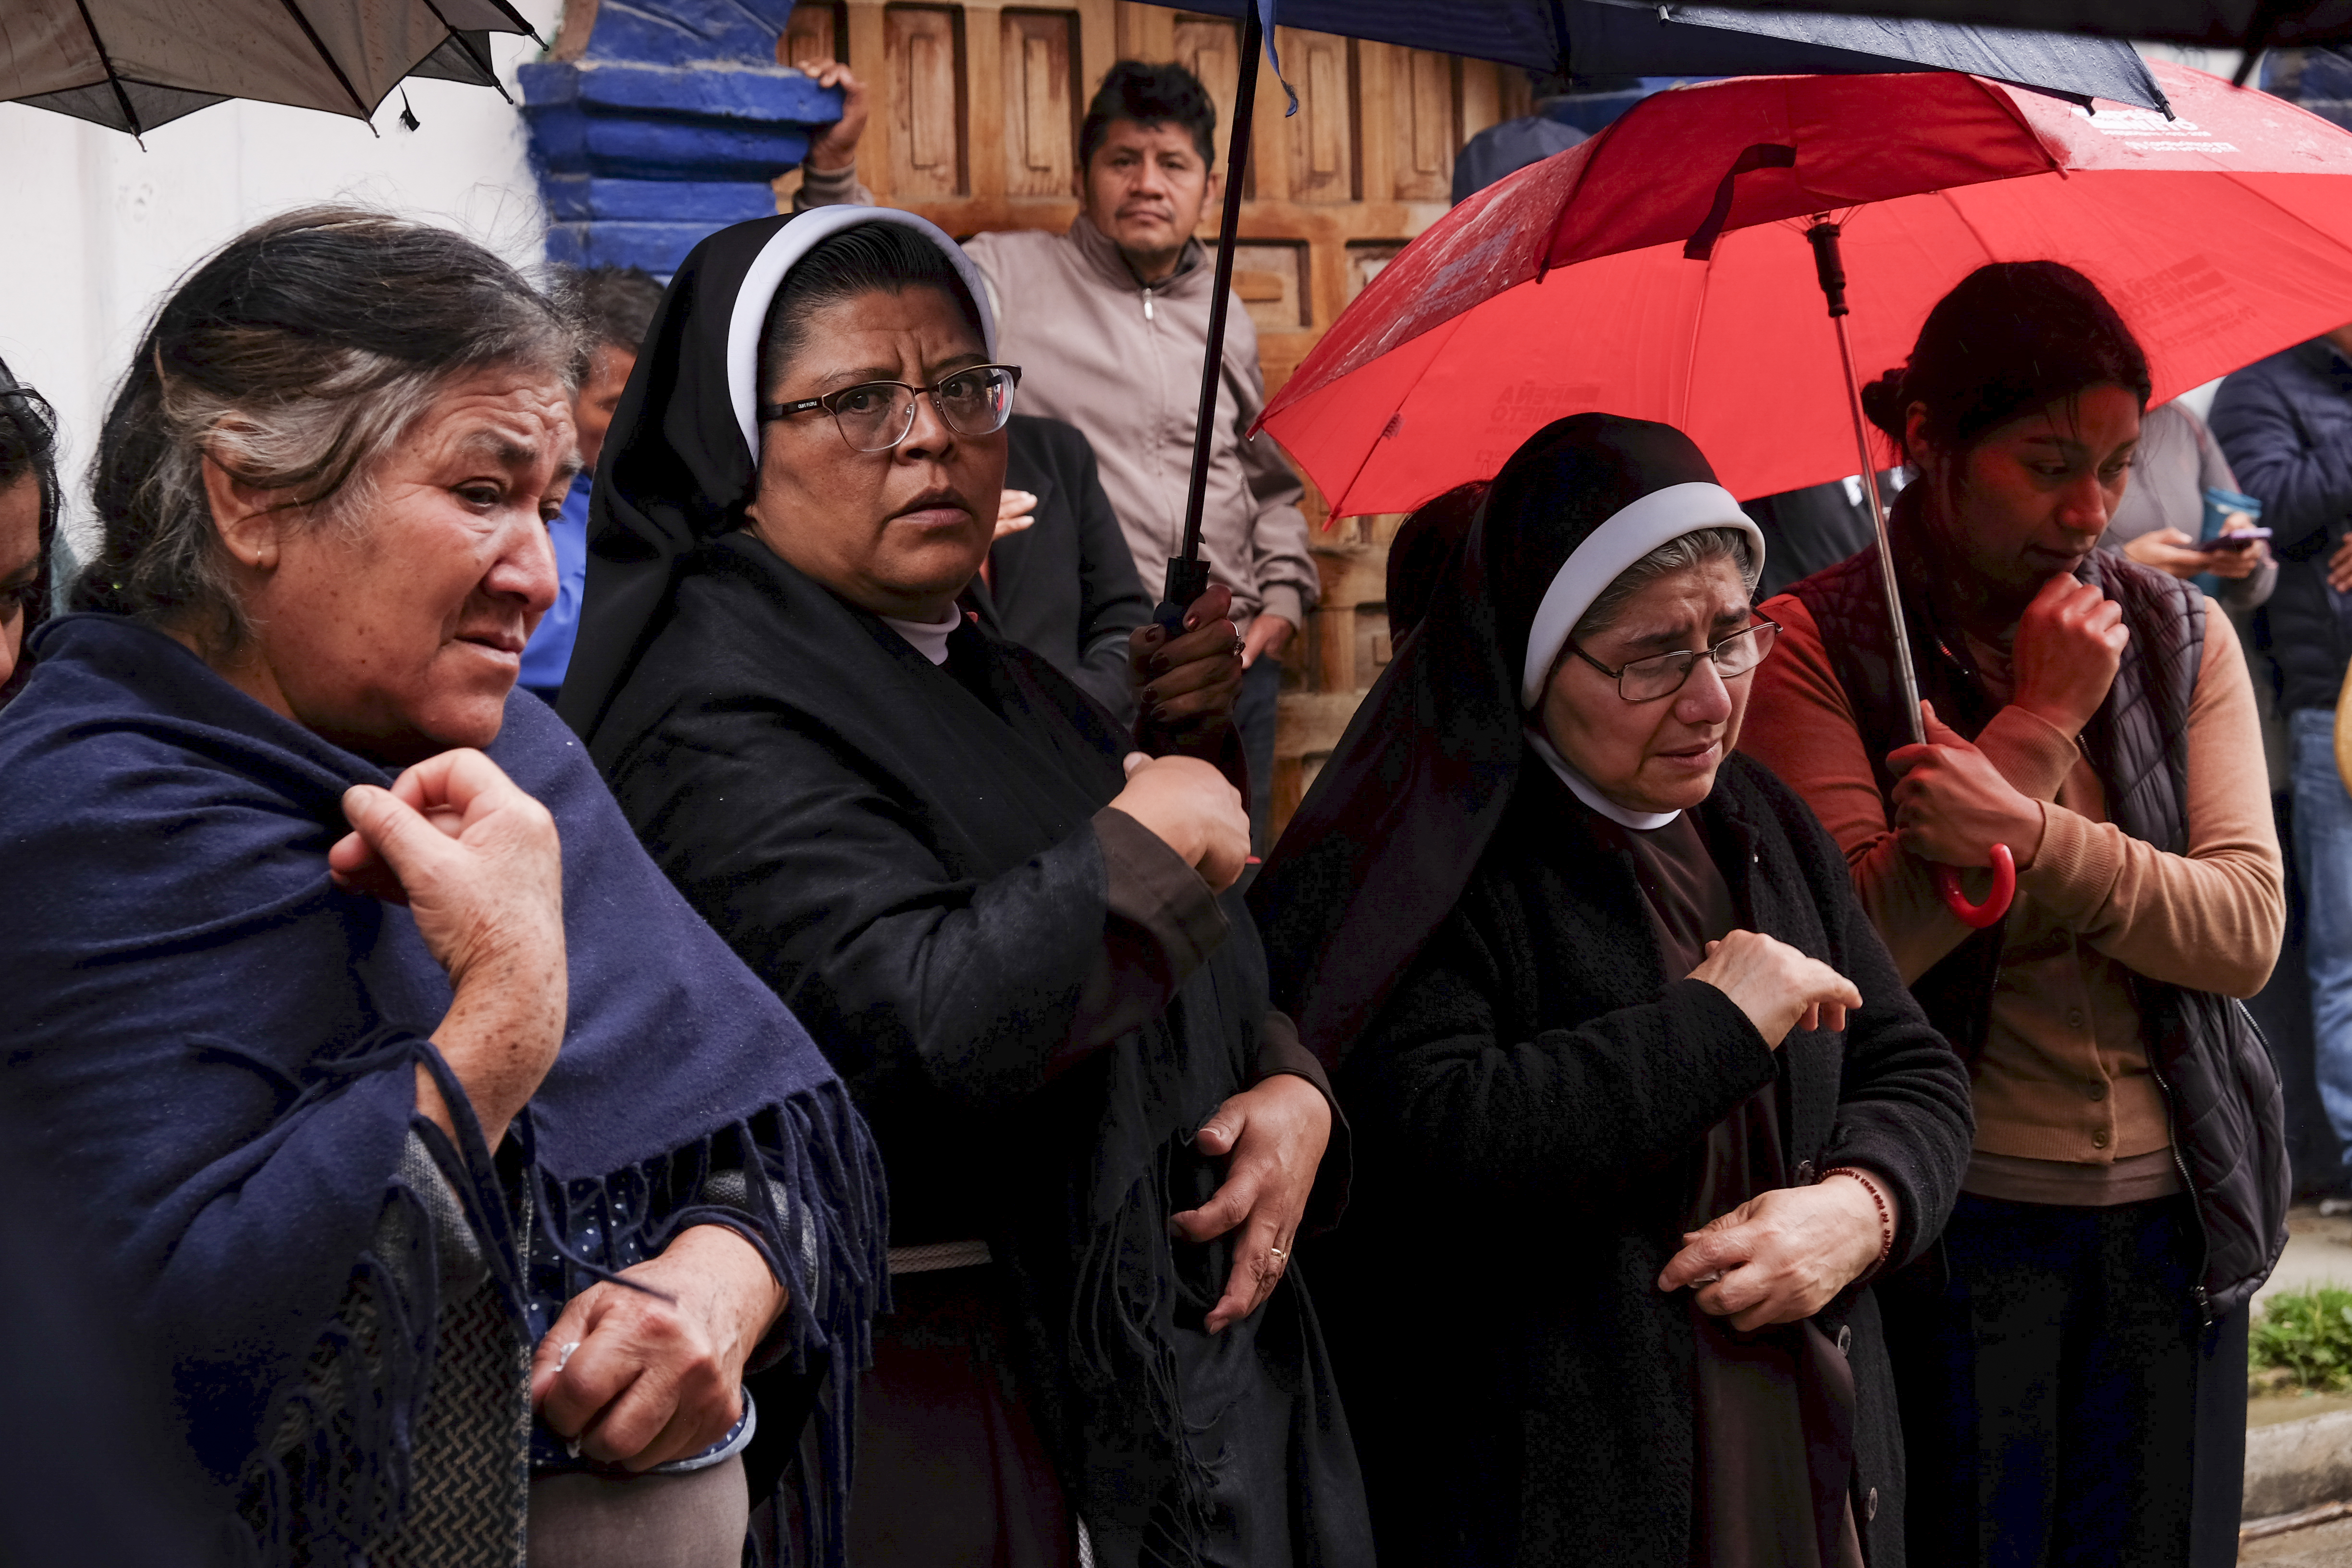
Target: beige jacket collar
point(1103, 254)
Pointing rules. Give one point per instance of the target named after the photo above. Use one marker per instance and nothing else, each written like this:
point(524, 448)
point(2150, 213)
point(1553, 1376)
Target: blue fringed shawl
point(216, 1048)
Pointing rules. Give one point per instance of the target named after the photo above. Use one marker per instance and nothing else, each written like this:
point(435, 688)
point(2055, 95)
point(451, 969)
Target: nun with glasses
point(1629, 1075)
point(999, 912)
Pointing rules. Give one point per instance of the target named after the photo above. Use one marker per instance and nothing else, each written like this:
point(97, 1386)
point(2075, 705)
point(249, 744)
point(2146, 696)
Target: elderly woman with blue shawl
point(459, 1169)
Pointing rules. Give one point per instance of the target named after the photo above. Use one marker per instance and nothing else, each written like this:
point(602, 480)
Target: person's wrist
point(1874, 1213)
point(2023, 836)
point(2057, 715)
point(1299, 1094)
point(1182, 831)
point(742, 1296)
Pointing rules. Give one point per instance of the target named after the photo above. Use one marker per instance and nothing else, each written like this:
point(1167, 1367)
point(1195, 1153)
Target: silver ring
point(1279, 1256)
point(563, 1354)
point(1239, 644)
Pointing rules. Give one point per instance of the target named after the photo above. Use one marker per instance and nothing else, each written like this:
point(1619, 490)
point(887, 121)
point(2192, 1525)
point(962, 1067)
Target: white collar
point(1585, 790)
point(928, 638)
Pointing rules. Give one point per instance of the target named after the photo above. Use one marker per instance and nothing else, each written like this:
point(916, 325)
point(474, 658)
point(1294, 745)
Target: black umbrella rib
point(2259, 28)
point(122, 99)
point(458, 36)
point(367, 111)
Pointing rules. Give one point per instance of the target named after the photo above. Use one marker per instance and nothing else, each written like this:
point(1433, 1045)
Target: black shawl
point(906, 852)
point(1528, 1083)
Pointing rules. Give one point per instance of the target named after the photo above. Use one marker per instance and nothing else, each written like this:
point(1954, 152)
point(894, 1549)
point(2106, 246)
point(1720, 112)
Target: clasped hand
point(1777, 986)
point(638, 1378)
point(479, 863)
point(1781, 1256)
point(1185, 685)
point(1951, 804)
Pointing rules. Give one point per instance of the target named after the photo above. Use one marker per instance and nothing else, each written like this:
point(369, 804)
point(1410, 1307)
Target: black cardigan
point(1064, 587)
point(1525, 1107)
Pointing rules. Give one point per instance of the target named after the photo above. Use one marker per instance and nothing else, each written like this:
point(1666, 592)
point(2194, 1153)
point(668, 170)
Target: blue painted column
point(671, 123)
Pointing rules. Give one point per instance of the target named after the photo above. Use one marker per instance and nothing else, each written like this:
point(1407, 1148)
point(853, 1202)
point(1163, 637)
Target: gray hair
point(295, 358)
point(1681, 553)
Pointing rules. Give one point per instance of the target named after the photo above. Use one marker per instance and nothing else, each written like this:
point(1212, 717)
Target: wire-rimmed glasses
point(1663, 674)
point(876, 416)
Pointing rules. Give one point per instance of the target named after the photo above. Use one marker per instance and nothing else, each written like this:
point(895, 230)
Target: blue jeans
point(1254, 716)
point(2323, 859)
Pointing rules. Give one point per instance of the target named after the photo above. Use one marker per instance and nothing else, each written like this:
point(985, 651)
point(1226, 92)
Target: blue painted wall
point(670, 124)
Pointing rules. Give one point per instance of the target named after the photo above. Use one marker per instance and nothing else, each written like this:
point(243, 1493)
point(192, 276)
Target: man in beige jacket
point(1109, 322)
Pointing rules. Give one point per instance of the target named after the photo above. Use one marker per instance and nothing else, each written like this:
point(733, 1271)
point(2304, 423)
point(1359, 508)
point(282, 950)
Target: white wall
point(96, 229)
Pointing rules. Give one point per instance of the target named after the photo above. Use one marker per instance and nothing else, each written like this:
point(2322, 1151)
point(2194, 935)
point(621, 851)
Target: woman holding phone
point(2177, 471)
point(2127, 1189)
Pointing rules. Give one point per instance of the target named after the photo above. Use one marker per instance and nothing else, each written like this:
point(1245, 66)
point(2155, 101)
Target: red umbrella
point(1664, 270)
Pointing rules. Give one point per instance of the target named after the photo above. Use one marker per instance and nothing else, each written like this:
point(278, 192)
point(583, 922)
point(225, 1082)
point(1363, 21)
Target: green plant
point(2308, 1334)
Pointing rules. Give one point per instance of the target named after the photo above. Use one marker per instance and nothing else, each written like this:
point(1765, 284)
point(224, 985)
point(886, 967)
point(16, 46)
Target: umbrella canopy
point(1660, 270)
point(2250, 25)
point(1633, 38)
point(134, 65)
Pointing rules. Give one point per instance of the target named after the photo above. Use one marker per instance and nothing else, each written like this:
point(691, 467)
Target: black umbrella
point(1572, 38)
point(2252, 25)
point(134, 65)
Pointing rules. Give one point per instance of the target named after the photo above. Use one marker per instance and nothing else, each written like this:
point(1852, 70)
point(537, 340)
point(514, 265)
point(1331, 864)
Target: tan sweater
point(2064, 1075)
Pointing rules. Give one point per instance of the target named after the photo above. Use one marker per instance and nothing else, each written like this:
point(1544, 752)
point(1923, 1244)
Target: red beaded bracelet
point(1878, 1200)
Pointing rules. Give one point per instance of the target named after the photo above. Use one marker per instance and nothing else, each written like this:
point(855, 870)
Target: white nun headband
point(1627, 534)
point(780, 256)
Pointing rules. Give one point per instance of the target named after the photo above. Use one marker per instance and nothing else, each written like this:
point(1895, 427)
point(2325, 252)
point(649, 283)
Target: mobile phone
point(2225, 509)
point(2243, 540)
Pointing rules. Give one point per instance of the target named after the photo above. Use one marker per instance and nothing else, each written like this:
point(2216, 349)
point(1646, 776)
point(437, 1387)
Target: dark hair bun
point(2010, 337)
point(1883, 403)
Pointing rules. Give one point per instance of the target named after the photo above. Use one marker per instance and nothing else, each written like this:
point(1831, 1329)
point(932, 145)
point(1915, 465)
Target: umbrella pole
point(1830, 267)
point(1827, 262)
point(1188, 574)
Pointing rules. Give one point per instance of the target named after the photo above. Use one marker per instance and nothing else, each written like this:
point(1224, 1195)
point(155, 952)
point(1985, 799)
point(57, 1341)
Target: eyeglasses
point(1663, 674)
point(875, 415)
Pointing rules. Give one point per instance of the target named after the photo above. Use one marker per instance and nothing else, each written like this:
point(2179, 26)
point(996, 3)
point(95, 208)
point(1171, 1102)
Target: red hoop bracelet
point(1878, 1201)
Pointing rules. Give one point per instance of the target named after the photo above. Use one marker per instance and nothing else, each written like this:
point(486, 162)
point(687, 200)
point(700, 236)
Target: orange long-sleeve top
point(2066, 1108)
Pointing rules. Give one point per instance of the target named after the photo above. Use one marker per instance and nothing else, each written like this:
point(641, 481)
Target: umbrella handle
point(1996, 904)
point(1188, 579)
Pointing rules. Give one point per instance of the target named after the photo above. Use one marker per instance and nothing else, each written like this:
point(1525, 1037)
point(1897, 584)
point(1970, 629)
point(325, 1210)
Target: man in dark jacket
point(1062, 581)
point(2286, 425)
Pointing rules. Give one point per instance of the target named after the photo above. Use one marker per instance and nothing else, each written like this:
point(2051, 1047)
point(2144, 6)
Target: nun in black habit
point(1625, 1061)
point(998, 918)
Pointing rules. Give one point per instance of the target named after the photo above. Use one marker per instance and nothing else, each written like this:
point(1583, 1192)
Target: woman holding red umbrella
point(2073, 1376)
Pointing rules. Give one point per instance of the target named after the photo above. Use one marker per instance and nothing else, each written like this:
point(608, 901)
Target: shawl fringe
point(333, 1473)
point(832, 1259)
